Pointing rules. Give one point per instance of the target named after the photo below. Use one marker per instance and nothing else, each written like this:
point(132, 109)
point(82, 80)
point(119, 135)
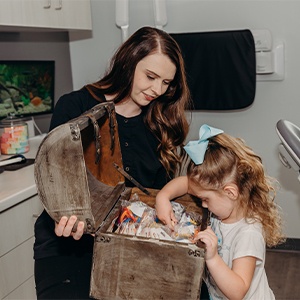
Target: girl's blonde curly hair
point(230, 160)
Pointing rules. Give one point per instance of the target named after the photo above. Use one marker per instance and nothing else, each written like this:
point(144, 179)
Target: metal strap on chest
point(97, 136)
point(111, 127)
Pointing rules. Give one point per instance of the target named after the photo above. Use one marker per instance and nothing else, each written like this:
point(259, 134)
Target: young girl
point(230, 180)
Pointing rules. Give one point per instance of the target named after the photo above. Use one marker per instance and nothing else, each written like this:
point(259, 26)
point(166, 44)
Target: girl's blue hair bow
point(196, 149)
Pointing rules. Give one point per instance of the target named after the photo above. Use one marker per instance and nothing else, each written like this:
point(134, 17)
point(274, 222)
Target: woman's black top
point(140, 160)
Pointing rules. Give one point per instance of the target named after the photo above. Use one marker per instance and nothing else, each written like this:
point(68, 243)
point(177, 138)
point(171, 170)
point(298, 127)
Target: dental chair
point(289, 149)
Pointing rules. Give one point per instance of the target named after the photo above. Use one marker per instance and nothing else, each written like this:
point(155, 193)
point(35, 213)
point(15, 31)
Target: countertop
point(16, 186)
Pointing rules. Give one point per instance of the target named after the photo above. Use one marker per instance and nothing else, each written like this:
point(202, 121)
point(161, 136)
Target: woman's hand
point(65, 226)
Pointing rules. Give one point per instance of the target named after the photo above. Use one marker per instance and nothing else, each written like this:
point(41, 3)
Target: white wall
point(273, 101)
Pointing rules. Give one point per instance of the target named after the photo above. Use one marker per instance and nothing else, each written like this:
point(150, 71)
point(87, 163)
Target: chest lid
point(74, 167)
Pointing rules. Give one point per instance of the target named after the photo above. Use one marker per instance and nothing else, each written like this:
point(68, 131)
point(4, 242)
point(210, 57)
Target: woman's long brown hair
point(165, 116)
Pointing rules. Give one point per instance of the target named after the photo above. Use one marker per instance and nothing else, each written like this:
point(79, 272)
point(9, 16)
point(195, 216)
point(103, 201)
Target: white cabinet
point(16, 249)
point(46, 14)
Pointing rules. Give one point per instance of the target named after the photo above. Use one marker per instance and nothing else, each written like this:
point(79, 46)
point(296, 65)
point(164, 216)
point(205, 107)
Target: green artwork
point(26, 88)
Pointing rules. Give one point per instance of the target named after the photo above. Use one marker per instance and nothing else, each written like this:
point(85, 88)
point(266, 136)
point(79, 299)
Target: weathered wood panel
point(139, 268)
point(69, 181)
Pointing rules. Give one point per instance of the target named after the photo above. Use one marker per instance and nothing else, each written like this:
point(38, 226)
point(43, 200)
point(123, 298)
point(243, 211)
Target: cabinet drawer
point(58, 14)
point(16, 267)
point(17, 223)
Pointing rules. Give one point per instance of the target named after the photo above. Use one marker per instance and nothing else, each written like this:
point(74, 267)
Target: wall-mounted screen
point(26, 88)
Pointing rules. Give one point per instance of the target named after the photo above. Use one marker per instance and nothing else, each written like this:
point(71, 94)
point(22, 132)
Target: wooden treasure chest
point(79, 171)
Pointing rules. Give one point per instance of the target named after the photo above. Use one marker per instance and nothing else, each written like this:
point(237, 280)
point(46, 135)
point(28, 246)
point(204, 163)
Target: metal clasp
point(103, 239)
point(75, 132)
point(195, 253)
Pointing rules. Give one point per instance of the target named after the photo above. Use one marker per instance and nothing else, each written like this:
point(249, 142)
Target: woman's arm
point(173, 189)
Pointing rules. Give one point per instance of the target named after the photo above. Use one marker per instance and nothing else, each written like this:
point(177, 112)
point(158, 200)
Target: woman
point(147, 83)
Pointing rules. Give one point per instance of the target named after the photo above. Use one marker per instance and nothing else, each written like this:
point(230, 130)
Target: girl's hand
point(65, 226)
point(173, 189)
point(233, 282)
point(209, 238)
point(165, 213)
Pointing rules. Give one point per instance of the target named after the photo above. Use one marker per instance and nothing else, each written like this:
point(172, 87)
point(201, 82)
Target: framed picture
point(26, 88)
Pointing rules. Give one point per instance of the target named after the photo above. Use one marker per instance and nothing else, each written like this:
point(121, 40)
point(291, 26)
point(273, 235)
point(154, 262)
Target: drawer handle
point(48, 4)
point(59, 7)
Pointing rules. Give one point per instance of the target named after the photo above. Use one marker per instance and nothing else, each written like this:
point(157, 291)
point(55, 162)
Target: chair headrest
point(289, 135)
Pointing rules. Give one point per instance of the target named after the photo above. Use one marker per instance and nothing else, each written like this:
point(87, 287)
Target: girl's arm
point(173, 189)
point(234, 283)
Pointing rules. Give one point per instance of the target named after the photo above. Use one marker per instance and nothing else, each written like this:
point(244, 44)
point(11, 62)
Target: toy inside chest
point(75, 174)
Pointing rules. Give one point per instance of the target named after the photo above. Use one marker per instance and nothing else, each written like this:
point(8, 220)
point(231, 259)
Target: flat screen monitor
point(26, 88)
